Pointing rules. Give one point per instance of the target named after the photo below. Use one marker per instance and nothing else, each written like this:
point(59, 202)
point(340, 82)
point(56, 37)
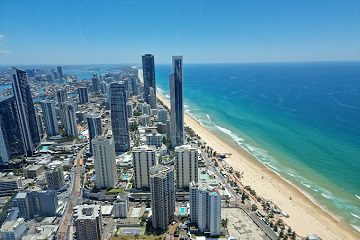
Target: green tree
point(254, 207)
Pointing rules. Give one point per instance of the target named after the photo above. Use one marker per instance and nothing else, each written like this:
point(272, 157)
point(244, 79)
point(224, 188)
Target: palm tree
point(224, 222)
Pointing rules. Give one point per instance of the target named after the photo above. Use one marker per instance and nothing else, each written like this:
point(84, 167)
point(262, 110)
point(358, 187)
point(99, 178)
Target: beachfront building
point(162, 187)
point(83, 95)
point(104, 160)
point(88, 222)
point(69, 119)
point(94, 127)
point(119, 118)
point(50, 118)
point(144, 157)
point(186, 162)
point(148, 64)
point(205, 208)
point(26, 110)
point(176, 101)
point(11, 140)
point(55, 177)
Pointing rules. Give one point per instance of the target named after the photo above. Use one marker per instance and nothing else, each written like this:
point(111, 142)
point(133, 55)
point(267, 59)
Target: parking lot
point(240, 225)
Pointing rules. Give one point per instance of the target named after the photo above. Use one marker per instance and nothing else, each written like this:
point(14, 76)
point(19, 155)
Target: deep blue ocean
point(302, 120)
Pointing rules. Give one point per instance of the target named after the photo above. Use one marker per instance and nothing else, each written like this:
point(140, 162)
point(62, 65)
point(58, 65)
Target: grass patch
point(114, 191)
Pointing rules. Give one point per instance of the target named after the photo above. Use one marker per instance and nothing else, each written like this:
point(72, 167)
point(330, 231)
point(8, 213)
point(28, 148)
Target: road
point(265, 228)
point(66, 220)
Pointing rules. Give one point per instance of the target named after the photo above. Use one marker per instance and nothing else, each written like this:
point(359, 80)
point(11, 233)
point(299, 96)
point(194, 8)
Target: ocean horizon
point(299, 119)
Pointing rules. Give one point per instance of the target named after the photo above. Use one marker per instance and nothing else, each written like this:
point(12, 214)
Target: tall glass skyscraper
point(148, 64)
point(11, 140)
point(26, 110)
point(50, 118)
point(94, 127)
point(176, 100)
point(119, 118)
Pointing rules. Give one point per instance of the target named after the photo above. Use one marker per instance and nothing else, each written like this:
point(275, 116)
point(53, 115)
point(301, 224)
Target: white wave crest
point(235, 137)
point(354, 215)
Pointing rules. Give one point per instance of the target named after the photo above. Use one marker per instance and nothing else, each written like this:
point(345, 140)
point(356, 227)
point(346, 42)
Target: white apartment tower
point(205, 208)
point(144, 157)
point(162, 195)
point(186, 162)
point(104, 160)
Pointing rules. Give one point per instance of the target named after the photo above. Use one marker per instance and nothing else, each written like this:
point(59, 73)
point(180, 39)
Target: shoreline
point(306, 215)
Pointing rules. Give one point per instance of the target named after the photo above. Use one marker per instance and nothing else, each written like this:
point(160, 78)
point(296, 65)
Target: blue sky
point(70, 32)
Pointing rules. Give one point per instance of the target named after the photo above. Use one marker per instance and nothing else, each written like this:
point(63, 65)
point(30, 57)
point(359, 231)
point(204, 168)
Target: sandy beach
point(305, 215)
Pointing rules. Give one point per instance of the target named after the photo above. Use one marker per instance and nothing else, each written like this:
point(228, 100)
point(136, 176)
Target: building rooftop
point(87, 211)
point(144, 147)
point(160, 171)
point(184, 148)
point(34, 167)
point(12, 225)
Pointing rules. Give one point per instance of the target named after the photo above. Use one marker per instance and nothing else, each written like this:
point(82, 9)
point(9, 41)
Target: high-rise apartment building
point(50, 118)
point(119, 118)
point(26, 110)
point(83, 95)
point(94, 127)
point(186, 162)
point(162, 189)
point(88, 222)
point(144, 157)
point(205, 208)
point(176, 100)
point(148, 65)
point(103, 148)
point(55, 177)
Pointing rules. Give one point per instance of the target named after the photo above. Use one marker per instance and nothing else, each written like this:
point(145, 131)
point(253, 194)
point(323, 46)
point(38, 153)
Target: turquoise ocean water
point(302, 120)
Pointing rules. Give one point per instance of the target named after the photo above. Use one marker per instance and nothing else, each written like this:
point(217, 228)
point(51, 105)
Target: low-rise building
point(33, 171)
point(10, 182)
point(13, 230)
point(154, 139)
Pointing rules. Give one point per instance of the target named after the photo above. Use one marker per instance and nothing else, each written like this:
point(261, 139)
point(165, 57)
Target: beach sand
point(306, 216)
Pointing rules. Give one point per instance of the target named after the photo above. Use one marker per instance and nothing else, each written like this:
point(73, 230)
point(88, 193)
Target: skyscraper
point(162, 189)
point(88, 222)
point(94, 127)
point(62, 95)
point(148, 65)
point(50, 118)
point(134, 85)
point(95, 83)
point(11, 139)
point(162, 115)
point(186, 162)
point(26, 110)
point(59, 70)
point(205, 208)
point(69, 119)
point(129, 109)
point(104, 160)
point(144, 157)
point(83, 95)
point(119, 118)
point(177, 105)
